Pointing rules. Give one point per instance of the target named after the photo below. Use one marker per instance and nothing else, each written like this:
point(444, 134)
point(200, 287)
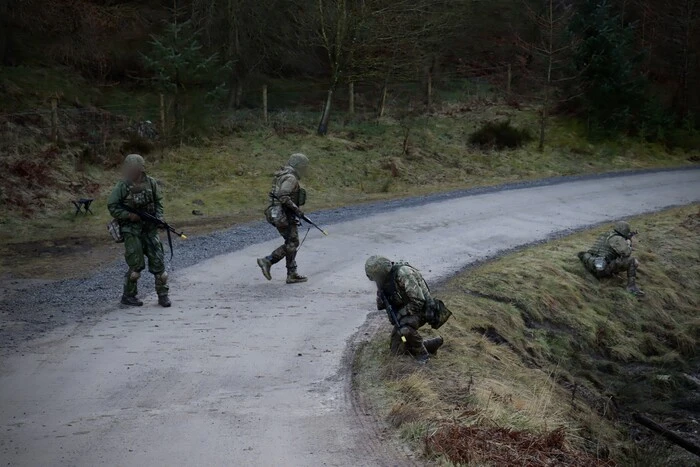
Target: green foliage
point(608, 64)
point(500, 135)
point(176, 59)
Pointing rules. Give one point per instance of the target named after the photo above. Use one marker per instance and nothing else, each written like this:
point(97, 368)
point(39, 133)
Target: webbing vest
point(602, 248)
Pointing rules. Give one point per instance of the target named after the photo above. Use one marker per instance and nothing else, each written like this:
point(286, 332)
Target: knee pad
point(134, 276)
point(162, 278)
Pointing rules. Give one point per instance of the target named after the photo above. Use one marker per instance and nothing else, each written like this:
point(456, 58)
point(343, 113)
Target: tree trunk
point(264, 102)
point(326, 115)
point(382, 100)
point(351, 98)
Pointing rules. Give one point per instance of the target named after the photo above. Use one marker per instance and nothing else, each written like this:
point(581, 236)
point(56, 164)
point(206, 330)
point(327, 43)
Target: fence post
point(510, 78)
point(264, 98)
point(162, 115)
point(54, 119)
point(351, 98)
point(429, 90)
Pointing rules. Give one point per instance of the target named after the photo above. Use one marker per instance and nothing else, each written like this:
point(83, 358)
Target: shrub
point(500, 135)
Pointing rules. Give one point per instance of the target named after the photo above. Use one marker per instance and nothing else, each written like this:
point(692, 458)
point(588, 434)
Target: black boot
point(432, 345)
point(164, 301)
point(131, 301)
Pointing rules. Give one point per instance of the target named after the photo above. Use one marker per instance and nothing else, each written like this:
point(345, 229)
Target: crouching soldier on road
point(404, 294)
point(611, 254)
point(284, 211)
point(140, 192)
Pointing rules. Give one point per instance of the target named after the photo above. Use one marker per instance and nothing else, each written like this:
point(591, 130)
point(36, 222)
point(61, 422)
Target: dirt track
point(242, 371)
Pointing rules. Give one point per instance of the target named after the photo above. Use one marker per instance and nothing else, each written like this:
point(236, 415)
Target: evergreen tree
point(612, 86)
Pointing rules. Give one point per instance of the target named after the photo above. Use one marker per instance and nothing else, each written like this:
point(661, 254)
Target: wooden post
point(54, 119)
point(351, 98)
point(162, 115)
point(264, 99)
point(429, 90)
point(510, 79)
point(382, 101)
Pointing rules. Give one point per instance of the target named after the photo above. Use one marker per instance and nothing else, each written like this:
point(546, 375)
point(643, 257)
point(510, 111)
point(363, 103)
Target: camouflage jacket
point(286, 190)
point(407, 292)
point(611, 245)
point(144, 196)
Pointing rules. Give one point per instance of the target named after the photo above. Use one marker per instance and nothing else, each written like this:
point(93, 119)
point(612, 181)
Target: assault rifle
point(392, 314)
point(159, 222)
point(303, 217)
point(306, 219)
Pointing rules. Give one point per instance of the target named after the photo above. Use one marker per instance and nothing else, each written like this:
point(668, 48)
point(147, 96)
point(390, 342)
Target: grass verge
point(543, 364)
point(226, 179)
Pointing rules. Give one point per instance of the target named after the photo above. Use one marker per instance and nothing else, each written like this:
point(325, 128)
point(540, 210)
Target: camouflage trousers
point(617, 265)
point(415, 345)
point(139, 246)
point(288, 251)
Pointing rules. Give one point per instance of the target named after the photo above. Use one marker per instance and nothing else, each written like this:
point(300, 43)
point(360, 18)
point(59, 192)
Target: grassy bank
point(544, 363)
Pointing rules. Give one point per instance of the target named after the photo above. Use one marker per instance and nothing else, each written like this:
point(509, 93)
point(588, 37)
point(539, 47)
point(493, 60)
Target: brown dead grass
point(477, 445)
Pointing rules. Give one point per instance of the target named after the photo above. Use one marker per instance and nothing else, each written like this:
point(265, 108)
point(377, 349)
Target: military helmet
point(298, 161)
point(135, 160)
point(377, 267)
point(623, 228)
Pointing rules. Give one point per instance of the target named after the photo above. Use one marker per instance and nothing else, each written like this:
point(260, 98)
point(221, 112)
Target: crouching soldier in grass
point(139, 191)
point(284, 211)
point(612, 254)
point(404, 294)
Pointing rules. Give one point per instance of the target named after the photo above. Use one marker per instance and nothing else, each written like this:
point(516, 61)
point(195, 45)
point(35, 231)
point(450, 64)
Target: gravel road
point(242, 371)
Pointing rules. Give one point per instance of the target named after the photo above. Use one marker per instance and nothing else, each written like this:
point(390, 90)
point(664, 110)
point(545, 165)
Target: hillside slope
point(544, 362)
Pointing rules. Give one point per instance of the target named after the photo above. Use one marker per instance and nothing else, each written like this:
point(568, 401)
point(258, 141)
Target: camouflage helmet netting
point(377, 267)
point(135, 160)
point(298, 160)
point(623, 228)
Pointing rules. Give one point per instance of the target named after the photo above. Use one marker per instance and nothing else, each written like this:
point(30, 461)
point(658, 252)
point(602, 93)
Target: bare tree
point(550, 49)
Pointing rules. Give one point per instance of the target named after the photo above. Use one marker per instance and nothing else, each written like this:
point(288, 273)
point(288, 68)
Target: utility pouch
point(600, 264)
point(437, 313)
point(300, 197)
point(115, 230)
point(274, 214)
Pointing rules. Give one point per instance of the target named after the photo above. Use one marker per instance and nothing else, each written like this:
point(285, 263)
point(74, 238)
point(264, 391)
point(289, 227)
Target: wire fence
point(160, 119)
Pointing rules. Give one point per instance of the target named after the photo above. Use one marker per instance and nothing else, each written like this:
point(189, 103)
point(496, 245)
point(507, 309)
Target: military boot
point(295, 278)
point(632, 280)
point(432, 345)
point(633, 289)
point(131, 301)
point(265, 264)
point(164, 301)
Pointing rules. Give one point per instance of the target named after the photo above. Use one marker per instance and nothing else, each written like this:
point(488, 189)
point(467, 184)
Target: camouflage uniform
point(409, 296)
point(140, 238)
point(612, 254)
point(285, 198)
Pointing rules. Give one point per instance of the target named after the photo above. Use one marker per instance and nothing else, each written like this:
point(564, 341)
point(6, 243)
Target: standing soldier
point(139, 191)
point(285, 199)
point(612, 253)
point(404, 294)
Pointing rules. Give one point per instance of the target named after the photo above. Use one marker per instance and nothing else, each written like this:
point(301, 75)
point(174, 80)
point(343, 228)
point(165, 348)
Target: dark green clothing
point(408, 294)
point(141, 239)
point(615, 250)
point(144, 196)
point(137, 247)
point(282, 214)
